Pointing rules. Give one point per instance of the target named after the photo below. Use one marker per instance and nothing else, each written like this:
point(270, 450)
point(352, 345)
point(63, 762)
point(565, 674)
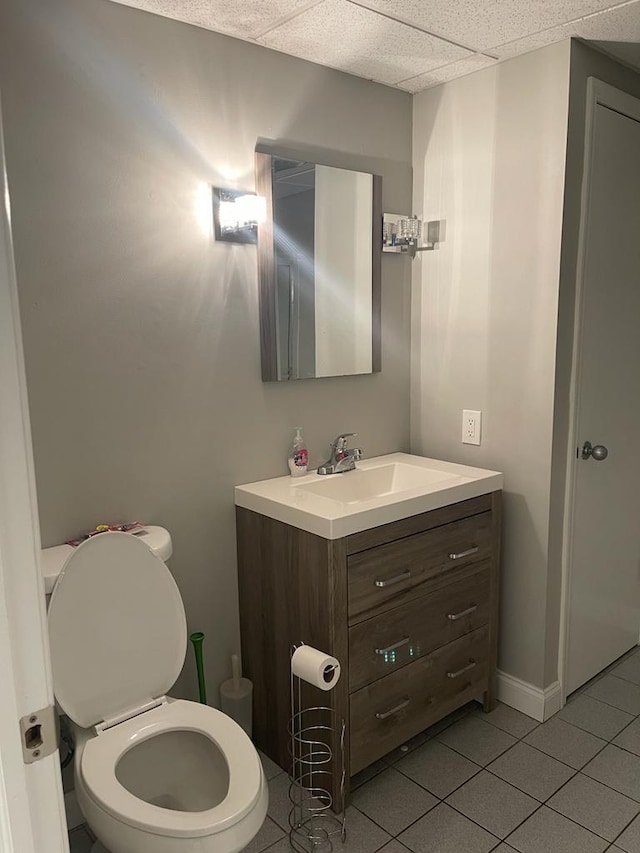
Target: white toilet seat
point(102, 753)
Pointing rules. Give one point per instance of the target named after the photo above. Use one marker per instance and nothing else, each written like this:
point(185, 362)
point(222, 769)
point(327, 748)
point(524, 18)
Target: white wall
point(489, 158)
point(343, 271)
point(141, 333)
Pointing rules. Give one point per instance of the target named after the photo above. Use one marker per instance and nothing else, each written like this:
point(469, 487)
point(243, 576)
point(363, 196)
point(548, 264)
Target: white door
point(604, 567)
point(31, 806)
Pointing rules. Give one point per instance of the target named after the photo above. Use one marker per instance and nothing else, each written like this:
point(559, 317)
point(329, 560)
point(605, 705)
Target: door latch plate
point(39, 734)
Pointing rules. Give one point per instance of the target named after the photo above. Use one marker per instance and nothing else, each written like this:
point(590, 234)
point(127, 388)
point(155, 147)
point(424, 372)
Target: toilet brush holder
point(236, 697)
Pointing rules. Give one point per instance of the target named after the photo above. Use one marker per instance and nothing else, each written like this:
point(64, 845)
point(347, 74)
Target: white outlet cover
point(471, 426)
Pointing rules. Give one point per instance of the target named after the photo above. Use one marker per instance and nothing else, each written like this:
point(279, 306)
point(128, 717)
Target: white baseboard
point(530, 700)
point(72, 809)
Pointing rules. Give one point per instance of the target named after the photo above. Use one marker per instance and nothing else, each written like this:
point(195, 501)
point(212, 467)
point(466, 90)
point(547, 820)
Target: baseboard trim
point(530, 700)
point(72, 809)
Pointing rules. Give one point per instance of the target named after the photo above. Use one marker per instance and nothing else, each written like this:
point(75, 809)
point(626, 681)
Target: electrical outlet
point(471, 426)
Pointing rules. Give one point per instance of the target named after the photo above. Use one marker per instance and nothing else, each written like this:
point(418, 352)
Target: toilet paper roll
point(315, 667)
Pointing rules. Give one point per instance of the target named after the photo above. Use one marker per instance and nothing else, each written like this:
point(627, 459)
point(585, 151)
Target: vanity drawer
point(387, 642)
point(393, 709)
point(391, 574)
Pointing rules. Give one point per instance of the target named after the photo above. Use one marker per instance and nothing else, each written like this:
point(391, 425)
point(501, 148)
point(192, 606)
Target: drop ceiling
point(412, 44)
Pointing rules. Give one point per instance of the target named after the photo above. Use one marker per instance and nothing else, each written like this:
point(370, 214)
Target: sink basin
point(380, 490)
point(363, 484)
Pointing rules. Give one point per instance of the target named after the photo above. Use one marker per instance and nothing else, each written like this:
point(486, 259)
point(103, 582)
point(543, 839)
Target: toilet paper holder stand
point(317, 773)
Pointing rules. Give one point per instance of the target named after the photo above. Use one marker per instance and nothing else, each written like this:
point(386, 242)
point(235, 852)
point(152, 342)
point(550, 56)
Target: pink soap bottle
point(298, 456)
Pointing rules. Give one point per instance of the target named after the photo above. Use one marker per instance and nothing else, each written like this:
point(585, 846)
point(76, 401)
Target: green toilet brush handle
point(197, 640)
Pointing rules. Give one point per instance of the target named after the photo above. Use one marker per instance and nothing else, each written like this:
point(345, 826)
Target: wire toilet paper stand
point(317, 770)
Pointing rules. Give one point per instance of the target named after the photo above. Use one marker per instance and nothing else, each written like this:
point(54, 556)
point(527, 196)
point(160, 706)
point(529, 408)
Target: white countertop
point(381, 490)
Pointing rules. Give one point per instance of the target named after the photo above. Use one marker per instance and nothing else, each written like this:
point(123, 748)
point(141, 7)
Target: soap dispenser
point(298, 457)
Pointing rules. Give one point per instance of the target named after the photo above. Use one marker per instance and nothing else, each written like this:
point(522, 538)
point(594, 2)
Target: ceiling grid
point(412, 44)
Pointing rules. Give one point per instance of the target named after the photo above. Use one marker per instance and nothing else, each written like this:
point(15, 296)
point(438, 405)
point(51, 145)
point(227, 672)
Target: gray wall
point(494, 308)
point(141, 334)
point(489, 158)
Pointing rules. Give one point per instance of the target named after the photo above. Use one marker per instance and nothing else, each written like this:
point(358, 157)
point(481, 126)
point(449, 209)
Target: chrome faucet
point(342, 459)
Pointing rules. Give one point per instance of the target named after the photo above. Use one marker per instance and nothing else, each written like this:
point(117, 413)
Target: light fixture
point(404, 234)
point(237, 214)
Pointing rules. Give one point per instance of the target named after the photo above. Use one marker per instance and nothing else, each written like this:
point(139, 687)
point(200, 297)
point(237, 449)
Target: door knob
point(599, 452)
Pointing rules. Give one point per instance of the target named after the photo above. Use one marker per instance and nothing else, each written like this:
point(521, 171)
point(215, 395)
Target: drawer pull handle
point(395, 646)
point(462, 554)
point(471, 665)
point(392, 711)
point(397, 579)
point(454, 616)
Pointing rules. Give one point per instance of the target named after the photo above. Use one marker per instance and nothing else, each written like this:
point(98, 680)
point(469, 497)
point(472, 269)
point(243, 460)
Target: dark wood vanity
point(410, 609)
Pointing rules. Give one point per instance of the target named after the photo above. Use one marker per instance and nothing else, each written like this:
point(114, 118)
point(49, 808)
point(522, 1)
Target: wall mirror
point(319, 267)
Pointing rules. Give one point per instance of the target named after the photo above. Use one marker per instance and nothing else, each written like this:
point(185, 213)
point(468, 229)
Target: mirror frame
point(266, 273)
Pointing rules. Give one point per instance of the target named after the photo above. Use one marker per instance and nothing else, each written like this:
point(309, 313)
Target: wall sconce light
point(236, 215)
point(404, 234)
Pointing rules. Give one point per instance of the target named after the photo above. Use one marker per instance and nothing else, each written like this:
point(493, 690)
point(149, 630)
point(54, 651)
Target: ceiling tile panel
point(244, 20)
point(447, 72)
point(617, 31)
point(357, 40)
point(482, 25)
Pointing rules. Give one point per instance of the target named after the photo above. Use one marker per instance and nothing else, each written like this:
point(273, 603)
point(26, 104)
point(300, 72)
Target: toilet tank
point(53, 559)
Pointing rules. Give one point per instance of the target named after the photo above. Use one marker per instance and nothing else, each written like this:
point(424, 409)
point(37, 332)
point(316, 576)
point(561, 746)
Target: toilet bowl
point(152, 774)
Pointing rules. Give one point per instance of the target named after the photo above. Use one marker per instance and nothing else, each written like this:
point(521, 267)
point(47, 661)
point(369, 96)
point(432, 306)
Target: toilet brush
point(197, 640)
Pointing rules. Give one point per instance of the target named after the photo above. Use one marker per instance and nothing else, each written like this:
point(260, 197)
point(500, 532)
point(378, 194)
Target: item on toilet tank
point(197, 639)
point(124, 527)
point(236, 696)
point(298, 457)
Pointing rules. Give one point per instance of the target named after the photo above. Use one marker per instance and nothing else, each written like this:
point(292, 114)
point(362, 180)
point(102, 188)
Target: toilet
point(152, 774)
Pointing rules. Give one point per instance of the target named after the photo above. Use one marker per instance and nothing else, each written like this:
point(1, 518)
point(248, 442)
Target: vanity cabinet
point(410, 610)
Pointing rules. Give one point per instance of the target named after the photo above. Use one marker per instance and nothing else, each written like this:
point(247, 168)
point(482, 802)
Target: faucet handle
point(340, 441)
point(341, 459)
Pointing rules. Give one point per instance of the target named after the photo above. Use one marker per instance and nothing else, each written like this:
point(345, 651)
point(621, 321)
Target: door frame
point(599, 93)
point(32, 816)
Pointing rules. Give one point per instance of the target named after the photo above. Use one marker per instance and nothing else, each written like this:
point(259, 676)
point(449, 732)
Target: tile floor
point(499, 782)
point(80, 841)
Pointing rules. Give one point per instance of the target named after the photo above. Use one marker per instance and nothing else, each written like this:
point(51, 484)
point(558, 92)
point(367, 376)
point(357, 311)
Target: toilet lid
point(117, 629)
